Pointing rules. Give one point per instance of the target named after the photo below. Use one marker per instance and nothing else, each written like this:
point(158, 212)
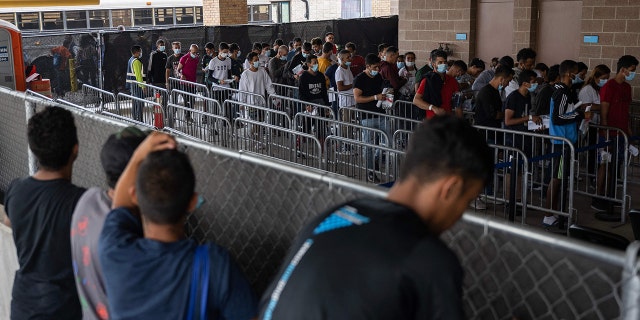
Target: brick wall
point(423, 24)
point(224, 12)
point(617, 23)
point(524, 23)
point(380, 8)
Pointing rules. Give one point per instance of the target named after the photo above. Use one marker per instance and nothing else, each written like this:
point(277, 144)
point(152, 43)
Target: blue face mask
point(304, 55)
point(348, 63)
point(500, 87)
point(533, 87)
point(256, 64)
point(442, 68)
point(267, 53)
point(631, 76)
point(602, 82)
point(161, 48)
point(176, 51)
point(374, 73)
point(283, 58)
point(400, 65)
point(193, 55)
point(314, 67)
point(577, 80)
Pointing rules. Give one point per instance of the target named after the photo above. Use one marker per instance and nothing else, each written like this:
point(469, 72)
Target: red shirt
point(449, 88)
point(618, 95)
point(357, 65)
point(189, 67)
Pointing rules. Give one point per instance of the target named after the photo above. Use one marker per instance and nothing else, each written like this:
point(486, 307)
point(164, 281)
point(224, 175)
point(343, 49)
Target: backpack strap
point(200, 275)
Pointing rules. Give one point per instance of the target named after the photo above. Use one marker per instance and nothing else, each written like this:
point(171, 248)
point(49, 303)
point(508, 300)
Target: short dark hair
point(117, 151)
point(251, 55)
point(222, 46)
point(567, 65)
point(316, 41)
point(310, 58)
point(297, 39)
point(477, 62)
point(350, 45)
point(257, 46)
point(438, 53)
point(507, 61)
point(211, 46)
point(503, 71)
point(52, 135)
point(460, 64)
point(627, 61)
point(582, 66)
point(553, 73)
point(382, 47)
point(160, 42)
point(410, 53)
point(306, 46)
point(234, 47)
point(447, 145)
point(391, 49)
point(329, 33)
point(164, 186)
point(278, 42)
point(371, 59)
point(327, 47)
point(525, 54)
point(541, 66)
point(526, 76)
point(135, 49)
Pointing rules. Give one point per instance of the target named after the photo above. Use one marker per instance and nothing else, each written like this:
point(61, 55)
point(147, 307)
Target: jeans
point(370, 137)
point(137, 106)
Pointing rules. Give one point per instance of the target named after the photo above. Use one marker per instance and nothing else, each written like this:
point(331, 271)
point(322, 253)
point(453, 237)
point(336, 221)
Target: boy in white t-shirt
point(255, 80)
point(344, 80)
point(220, 67)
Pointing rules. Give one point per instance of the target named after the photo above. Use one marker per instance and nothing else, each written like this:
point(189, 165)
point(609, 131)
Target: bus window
point(8, 17)
point(184, 15)
point(164, 16)
point(52, 20)
point(99, 19)
point(76, 19)
point(121, 17)
point(142, 17)
point(28, 20)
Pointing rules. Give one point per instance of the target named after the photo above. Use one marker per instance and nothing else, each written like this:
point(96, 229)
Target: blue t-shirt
point(147, 279)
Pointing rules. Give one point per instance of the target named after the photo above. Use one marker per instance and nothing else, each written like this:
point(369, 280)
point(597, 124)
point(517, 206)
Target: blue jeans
point(137, 106)
point(372, 138)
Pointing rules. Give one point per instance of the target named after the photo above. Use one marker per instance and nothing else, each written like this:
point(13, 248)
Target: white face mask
point(410, 63)
point(176, 51)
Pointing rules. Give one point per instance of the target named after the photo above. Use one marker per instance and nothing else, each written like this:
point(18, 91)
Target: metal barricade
point(393, 122)
point(322, 127)
point(29, 92)
point(98, 100)
point(511, 165)
point(188, 86)
point(257, 113)
point(634, 140)
point(191, 101)
point(602, 168)
point(365, 162)
point(406, 109)
point(281, 143)
point(401, 139)
point(139, 110)
point(545, 155)
point(293, 106)
point(222, 93)
point(204, 126)
point(286, 90)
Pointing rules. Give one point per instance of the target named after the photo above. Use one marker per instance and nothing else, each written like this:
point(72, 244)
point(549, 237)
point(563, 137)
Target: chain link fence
point(254, 206)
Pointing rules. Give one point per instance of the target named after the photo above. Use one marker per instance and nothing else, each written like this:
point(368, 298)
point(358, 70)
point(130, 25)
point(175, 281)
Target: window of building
point(121, 17)
point(184, 15)
point(52, 20)
point(8, 17)
point(356, 9)
point(259, 13)
point(76, 19)
point(142, 17)
point(198, 14)
point(28, 20)
point(99, 19)
point(164, 16)
point(281, 12)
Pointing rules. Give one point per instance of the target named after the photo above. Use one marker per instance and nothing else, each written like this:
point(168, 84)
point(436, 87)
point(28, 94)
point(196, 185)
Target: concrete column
point(224, 12)
point(525, 17)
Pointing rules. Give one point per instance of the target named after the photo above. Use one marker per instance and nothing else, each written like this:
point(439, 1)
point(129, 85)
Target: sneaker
point(550, 221)
point(478, 204)
point(372, 177)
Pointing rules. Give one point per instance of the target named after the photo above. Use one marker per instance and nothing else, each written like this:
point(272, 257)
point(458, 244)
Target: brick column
point(525, 16)
point(381, 8)
point(224, 12)
point(617, 24)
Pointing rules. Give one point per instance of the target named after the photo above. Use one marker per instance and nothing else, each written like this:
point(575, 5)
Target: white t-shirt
point(345, 75)
point(220, 69)
point(589, 95)
point(257, 82)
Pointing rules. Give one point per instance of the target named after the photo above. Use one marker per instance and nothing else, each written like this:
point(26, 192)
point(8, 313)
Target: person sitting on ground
point(383, 258)
point(147, 260)
point(39, 209)
point(88, 219)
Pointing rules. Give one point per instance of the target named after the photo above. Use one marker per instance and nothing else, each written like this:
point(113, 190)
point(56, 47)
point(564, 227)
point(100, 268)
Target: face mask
point(533, 87)
point(374, 73)
point(161, 48)
point(400, 65)
point(256, 64)
point(239, 52)
point(176, 51)
point(304, 55)
point(384, 58)
point(314, 67)
point(193, 55)
point(631, 76)
point(267, 54)
point(500, 87)
point(410, 63)
point(577, 80)
point(442, 68)
point(602, 82)
point(222, 55)
point(283, 58)
point(348, 63)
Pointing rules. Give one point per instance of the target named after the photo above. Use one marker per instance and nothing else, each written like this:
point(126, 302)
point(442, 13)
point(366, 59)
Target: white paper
point(533, 126)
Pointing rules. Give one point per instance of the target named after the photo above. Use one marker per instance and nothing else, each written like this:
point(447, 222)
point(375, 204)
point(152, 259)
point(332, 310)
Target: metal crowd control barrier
point(634, 161)
point(406, 109)
point(255, 206)
point(394, 122)
point(256, 113)
point(222, 93)
point(286, 90)
point(192, 101)
point(207, 127)
point(140, 110)
point(401, 139)
point(98, 100)
point(542, 158)
point(322, 127)
point(293, 106)
point(277, 142)
point(362, 161)
point(343, 99)
point(602, 167)
point(188, 86)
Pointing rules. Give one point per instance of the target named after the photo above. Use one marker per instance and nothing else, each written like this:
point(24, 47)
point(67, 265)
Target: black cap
point(117, 151)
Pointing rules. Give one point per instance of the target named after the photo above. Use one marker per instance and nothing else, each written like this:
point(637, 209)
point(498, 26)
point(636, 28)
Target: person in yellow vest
point(135, 78)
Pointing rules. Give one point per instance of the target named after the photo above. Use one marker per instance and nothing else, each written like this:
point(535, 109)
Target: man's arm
point(137, 70)
point(360, 98)
point(418, 100)
point(154, 142)
point(560, 116)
